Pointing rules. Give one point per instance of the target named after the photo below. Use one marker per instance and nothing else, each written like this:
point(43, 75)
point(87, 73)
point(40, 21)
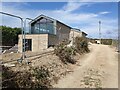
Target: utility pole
point(100, 32)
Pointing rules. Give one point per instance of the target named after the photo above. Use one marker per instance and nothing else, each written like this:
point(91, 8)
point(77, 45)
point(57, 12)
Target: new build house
point(45, 32)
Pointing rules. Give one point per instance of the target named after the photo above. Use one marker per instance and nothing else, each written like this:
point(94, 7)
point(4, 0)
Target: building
point(76, 33)
point(45, 32)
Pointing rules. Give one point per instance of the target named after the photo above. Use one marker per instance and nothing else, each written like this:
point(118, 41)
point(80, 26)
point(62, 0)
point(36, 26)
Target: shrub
point(106, 41)
point(115, 43)
point(12, 79)
point(65, 53)
point(81, 45)
point(23, 80)
point(42, 75)
point(7, 78)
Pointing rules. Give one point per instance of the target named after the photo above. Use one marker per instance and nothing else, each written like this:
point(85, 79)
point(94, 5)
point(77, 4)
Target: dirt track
point(99, 68)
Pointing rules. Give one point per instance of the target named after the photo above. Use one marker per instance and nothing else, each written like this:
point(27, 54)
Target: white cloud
point(71, 6)
point(87, 22)
point(107, 25)
point(104, 12)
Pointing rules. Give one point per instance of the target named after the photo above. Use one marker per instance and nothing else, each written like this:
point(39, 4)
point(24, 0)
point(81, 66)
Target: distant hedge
point(106, 41)
point(9, 35)
point(103, 41)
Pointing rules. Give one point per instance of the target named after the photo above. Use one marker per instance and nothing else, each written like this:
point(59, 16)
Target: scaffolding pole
point(21, 28)
point(24, 39)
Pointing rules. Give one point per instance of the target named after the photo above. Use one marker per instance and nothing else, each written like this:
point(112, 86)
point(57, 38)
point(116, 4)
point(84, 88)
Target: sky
point(82, 15)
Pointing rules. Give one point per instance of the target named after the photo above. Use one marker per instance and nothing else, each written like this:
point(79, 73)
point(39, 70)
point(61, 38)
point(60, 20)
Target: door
point(28, 44)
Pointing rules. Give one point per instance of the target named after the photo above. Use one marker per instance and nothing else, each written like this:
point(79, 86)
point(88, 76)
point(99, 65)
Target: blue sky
point(83, 15)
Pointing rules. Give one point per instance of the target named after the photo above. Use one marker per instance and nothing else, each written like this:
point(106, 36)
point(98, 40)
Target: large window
point(43, 26)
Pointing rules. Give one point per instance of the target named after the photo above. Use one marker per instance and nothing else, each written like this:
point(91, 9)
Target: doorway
point(28, 44)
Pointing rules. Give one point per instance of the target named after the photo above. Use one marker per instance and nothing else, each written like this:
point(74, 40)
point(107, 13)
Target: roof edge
point(78, 30)
point(38, 17)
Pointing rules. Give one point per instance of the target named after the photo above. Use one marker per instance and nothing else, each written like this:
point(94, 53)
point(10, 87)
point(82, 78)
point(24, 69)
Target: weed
point(65, 53)
point(81, 45)
point(25, 79)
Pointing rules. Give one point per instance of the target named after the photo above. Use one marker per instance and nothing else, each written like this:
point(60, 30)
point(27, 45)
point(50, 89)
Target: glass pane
point(36, 28)
point(43, 26)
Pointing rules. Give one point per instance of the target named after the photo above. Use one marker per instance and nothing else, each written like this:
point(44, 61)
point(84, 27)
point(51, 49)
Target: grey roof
point(78, 30)
point(47, 18)
point(40, 17)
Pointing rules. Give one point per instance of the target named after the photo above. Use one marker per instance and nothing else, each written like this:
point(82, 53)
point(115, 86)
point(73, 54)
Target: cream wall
point(39, 41)
point(74, 33)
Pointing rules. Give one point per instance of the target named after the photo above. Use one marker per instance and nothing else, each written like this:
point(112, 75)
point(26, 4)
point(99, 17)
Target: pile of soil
point(55, 66)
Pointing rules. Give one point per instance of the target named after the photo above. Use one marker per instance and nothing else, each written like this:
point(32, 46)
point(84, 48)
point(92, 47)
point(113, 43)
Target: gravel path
point(97, 69)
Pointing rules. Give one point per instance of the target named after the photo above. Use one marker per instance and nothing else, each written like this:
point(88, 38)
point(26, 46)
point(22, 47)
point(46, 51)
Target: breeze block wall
point(39, 42)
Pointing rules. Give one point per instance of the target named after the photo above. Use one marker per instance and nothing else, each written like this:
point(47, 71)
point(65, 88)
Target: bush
point(81, 45)
point(7, 78)
point(65, 53)
point(106, 41)
point(36, 79)
point(115, 42)
point(9, 35)
point(23, 80)
point(42, 75)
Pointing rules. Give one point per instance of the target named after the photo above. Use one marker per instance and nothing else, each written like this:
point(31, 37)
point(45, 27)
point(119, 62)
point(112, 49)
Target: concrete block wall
point(39, 42)
point(52, 40)
point(62, 32)
point(74, 34)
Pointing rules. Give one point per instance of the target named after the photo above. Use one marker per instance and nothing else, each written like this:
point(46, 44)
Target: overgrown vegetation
point(42, 75)
point(106, 41)
point(115, 42)
point(103, 41)
point(34, 78)
point(81, 45)
point(66, 53)
point(9, 35)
